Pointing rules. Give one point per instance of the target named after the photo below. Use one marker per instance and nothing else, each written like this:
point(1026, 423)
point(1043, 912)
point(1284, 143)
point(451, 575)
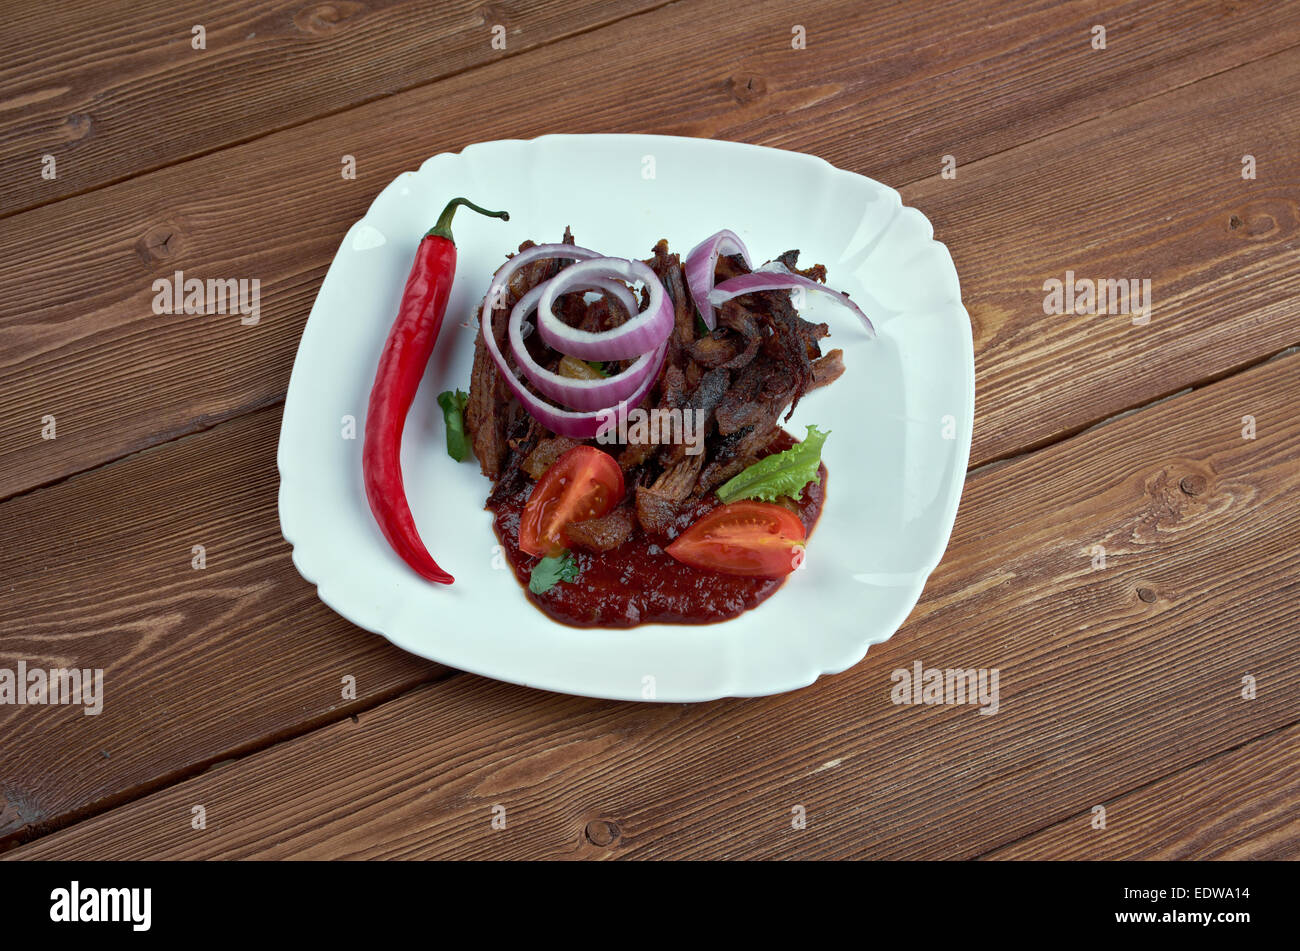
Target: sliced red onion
point(777, 277)
point(641, 333)
point(562, 422)
point(700, 266)
point(575, 425)
point(501, 279)
point(575, 393)
point(615, 289)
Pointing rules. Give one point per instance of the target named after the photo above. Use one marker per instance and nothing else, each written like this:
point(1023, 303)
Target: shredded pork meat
point(741, 377)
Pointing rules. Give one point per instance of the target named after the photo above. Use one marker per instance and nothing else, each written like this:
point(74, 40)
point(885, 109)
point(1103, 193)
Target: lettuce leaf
point(782, 473)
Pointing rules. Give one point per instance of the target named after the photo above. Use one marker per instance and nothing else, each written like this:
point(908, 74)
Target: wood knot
point(324, 18)
point(602, 832)
point(159, 243)
point(746, 88)
point(1179, 495)
point(78, 126)
point(1264, 219)
point(12, 815)
point(1147, 595)
point(491, 14)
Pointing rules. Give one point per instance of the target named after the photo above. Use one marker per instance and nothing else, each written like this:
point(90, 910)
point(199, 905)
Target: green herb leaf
point(453, 412)
point(598, 367)
point(701, 328)
point(782, 473)
point(550, 571)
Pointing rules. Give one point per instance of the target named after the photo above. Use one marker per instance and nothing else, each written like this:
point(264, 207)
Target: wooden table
point(1163, 687)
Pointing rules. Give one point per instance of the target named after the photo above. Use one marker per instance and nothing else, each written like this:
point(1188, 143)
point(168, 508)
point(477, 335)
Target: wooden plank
point(1243, 804)
point(1143, 194)
point(1110, 678)
point(112, 90)
point(86, 348)
point(198, 663)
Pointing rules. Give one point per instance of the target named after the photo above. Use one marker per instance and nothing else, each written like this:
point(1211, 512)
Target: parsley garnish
point(551, 570)
point(453, 412)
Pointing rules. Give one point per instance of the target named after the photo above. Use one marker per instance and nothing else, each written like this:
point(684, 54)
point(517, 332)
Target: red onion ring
point(777, 277)
point(565, 422)
point(575, 393)
point(575, 425)
point(641, 333)
point(701, 264)
point(570, 252)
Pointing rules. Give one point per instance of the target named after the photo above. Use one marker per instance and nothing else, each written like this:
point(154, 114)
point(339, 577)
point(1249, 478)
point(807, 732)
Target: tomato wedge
point(583, 483)
point(755, 539)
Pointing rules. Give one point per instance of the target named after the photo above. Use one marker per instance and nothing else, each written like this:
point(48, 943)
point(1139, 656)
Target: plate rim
point(919, 576)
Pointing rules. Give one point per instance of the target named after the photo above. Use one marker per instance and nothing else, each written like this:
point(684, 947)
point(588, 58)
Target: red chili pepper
point(401, 366)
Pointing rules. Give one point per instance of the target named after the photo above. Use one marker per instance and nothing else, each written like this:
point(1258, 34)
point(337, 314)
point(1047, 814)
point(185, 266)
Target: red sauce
point(640, 583)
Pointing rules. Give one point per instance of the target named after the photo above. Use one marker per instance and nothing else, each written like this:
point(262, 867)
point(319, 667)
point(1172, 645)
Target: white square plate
point(900, 415)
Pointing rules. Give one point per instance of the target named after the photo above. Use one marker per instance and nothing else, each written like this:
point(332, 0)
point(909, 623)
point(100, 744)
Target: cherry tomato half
point(583, 483)
point(756, 539)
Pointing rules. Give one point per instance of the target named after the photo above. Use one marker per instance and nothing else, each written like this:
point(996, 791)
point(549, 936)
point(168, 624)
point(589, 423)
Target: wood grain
point(1243, 804)
point(1153, 193)
point(1110, 678)
point(113, 90)
point(78, 340)
point(224, 684)
point(199, 664)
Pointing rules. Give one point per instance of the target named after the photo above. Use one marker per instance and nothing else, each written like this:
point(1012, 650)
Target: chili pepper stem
point(443, 228)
